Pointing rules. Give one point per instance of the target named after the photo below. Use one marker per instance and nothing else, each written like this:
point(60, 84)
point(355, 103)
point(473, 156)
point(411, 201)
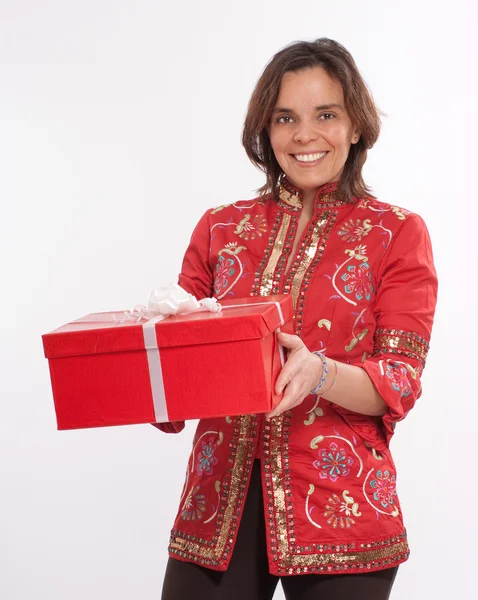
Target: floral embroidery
point(358, 280)
point(400, 212)
point(194, 506)
point(318, 439)
point(232, 248)
point(356, 338)
point(223, 271)
point(249, 231)
point(339, 513)
point(333, 462)
point(398, 376)
point(358, 253)
point(315, 411)
point(219, 208)
point(206, 458)
point(385, 488)
point(380, 207)
point(353, 231)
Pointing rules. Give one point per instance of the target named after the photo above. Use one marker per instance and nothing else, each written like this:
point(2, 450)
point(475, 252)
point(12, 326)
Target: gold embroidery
point(314, 443)
point(278, 487)
point(397, 341)
point(340, 513)
point(250, 231)
point(308, 256)
point(237, 477)
point(400, 212)
point(310, 259)
point(289, 197)
point(268, 273)
point(218, 208)
point(389, 553)
point(356, 338)
point(232, 248)
point(343, 558)
point(194, 547)
point(353, 230)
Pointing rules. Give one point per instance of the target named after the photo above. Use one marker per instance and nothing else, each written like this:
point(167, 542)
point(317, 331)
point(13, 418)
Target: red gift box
point(108, 370)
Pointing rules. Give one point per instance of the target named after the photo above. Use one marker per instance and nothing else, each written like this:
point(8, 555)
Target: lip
point(306, 165)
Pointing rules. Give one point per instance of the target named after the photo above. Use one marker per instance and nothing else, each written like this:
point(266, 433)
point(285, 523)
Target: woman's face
point(310, 130)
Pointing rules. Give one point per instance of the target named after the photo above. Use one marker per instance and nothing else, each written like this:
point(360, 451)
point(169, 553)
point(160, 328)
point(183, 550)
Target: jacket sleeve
point(404, 311)
point(197, 279)
point(196, 276)
point(170, 426)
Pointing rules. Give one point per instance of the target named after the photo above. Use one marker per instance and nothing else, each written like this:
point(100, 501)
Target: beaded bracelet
point(324, 392)
point(325, 370)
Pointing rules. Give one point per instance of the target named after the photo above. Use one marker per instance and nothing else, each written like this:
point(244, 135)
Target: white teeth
point(309, 157)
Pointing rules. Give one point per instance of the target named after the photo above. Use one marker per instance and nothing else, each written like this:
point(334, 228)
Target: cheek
point(340, 139)
point(279, 140)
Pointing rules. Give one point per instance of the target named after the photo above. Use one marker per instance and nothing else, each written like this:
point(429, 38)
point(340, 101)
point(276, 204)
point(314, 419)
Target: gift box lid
point(240, 319)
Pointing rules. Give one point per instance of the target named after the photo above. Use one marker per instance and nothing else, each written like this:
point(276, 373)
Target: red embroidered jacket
point(364, 290)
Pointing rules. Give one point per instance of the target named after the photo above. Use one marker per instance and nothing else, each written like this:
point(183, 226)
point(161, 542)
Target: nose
point(305, 133)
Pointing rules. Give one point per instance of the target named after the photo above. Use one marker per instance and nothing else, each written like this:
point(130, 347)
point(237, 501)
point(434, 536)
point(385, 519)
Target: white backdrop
point(120, 124)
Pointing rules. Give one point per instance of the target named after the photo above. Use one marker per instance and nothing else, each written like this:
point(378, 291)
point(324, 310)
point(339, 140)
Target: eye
point(284, 119)
point(327, 116)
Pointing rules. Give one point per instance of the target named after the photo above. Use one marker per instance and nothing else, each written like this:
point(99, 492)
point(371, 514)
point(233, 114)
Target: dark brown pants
point(248, 577)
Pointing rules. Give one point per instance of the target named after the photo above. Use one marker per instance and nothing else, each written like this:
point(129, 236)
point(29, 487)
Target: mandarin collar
point(290, 197)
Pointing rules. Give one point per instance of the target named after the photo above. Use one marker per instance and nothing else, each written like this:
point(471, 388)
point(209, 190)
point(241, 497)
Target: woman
point(307, 493)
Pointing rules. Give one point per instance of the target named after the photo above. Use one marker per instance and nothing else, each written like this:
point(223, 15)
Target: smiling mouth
point(309, 158)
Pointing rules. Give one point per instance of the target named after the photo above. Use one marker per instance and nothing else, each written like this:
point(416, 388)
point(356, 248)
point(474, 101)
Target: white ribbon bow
point(171, 300)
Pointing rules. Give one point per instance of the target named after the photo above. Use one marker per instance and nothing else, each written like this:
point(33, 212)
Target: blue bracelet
point(325, 370)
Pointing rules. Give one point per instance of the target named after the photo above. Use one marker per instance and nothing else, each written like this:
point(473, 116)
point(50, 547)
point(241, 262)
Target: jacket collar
point(290, 197)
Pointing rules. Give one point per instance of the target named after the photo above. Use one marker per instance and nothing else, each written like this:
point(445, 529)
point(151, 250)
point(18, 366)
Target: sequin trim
point(302, 269)
point(290, 198)
point(308, 252)
point(293, 559)
point(402, 343)
point(347, 557)
point(267, 281)
point(294, 194)
point(215, 551)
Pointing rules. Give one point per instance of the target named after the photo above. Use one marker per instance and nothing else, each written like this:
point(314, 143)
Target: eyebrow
point(317, 108)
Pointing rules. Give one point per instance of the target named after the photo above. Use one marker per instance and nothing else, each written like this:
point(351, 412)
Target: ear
point(356, 135)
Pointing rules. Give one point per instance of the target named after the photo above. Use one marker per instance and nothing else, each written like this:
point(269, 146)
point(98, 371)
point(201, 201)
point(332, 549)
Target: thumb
point(290, 341)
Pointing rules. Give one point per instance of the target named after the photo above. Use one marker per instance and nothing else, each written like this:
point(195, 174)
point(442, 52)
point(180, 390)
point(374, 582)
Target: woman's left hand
point(301, 374)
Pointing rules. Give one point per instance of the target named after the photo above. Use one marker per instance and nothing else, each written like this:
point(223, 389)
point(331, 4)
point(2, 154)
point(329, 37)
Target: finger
point(289, 400)
point(292, 342)
point(285, 376)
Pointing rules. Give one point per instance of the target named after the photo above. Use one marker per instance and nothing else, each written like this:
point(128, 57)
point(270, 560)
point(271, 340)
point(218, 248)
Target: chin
point(311, 181)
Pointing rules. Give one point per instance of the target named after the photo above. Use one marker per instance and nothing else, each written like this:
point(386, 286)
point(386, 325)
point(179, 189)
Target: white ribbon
point(155, 370)
point(151, 342)
point(171, 300)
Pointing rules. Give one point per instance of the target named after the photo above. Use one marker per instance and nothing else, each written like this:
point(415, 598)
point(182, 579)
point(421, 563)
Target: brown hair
point(340, 65)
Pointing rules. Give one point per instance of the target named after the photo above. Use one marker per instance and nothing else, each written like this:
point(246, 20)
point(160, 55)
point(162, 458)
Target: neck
point(308, 200)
